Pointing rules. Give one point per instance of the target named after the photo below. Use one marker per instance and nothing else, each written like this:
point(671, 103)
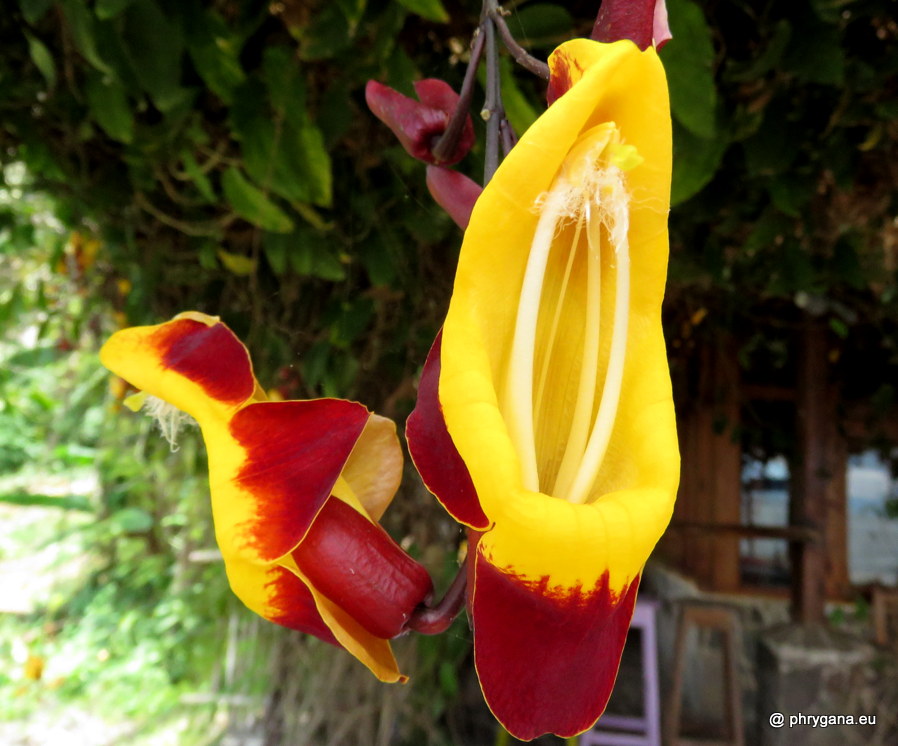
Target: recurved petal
point(278, 595)
point(433, 452)
point(272, 467)
point(193, 362)
point(374, 468)
point(546, 655)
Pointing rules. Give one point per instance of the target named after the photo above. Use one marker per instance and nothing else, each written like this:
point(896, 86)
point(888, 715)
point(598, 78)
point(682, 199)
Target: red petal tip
point(547, 657)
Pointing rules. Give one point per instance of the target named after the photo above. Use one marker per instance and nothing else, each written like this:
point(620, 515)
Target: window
point(764, 562)
point(872, 520)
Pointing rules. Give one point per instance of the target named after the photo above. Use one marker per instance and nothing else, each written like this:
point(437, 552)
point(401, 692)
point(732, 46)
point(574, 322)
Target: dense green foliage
point(161, 155)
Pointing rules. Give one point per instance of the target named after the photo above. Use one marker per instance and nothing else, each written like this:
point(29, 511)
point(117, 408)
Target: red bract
point(454, 192)
point(419, 125)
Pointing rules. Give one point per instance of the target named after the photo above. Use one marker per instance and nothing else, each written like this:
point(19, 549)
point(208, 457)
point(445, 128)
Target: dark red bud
point(419, 124)
point(454, 192)
point(354, 562)
point(642, 21)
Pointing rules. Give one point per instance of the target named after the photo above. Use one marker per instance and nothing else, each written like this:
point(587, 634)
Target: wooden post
point(709, 485)
point(812, 472)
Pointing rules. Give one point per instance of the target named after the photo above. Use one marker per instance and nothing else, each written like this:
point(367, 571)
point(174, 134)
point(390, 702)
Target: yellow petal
point(617, 92)
point(374, 469)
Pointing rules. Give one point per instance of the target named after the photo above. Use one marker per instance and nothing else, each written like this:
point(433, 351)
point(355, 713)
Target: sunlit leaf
point(251, 203)
point(237, 264)
point(42, 59)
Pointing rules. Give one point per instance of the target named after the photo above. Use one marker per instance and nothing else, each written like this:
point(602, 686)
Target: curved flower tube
point(296, 486)
point(553, 387)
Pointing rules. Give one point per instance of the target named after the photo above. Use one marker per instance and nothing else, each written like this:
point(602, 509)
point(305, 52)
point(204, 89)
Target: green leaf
point(327, 35)
point(335, 114)
point(236, 264)
point(106, 9)
point(132, 520)
point(199, 179)
point(815, 54)
point(42, 59)
point(155, 45)
point(790, 192)
point(310, 256)
point(305, 252)
point(215, 51)
point(284, 82)
point(830, 10)
point(34, 10)
point(689, 59)
point(432, 10)
point(285, 155)
point(276, 247)
point(250, 203)
point(65, 502)
point(695, 161)
point(353, 10)
point(82, 24)
point(108, 101)
point(350, 320)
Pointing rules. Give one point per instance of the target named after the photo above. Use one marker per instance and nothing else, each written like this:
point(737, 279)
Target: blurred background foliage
point(163, 155)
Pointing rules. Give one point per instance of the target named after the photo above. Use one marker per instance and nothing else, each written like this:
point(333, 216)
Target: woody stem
point(493, 112)
point(449, 138)
point(521, 55)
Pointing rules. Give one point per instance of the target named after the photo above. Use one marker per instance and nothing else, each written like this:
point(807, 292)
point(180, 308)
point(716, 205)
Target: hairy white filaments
point(590, 192)
point(169, 419)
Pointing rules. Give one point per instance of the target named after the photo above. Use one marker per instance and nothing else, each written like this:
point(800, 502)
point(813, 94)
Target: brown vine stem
point(449, 139)
point(433, 620)
point(520, 55)
point(492, 111)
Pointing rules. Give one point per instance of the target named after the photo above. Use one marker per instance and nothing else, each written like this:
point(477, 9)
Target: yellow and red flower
point(297, 488)
point(545, 419)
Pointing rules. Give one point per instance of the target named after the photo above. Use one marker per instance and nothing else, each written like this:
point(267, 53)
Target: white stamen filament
point(589, 366)
point(553, 332)
point(591, 193)
point(601, 431)
point(518, 408)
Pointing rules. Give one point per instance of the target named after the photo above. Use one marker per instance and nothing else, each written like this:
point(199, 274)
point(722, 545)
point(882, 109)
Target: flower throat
point(585, 210)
